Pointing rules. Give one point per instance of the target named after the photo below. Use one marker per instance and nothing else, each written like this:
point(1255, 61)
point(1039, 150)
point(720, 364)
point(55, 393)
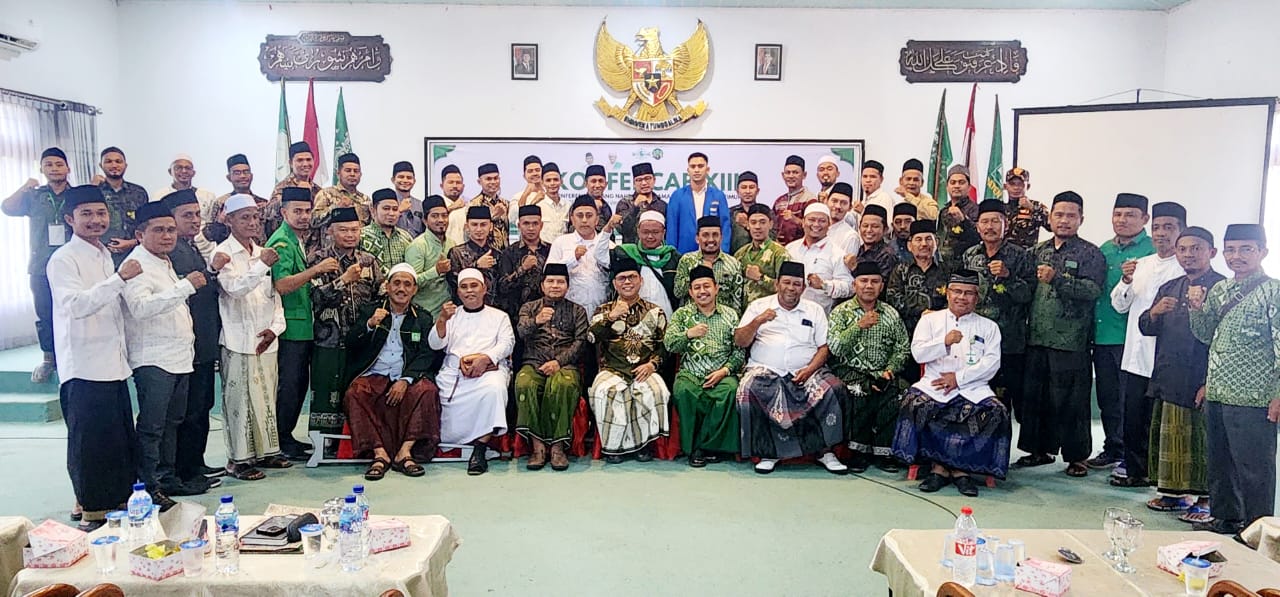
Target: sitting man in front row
point(951, 417)
point(473, 380)
point(628, 398)
point(391, 401)
point(789, 403)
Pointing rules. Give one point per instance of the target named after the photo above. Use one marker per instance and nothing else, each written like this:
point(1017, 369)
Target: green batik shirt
point(389, 249)
point(122, 204)
point(631, 341)
point(710, 352)
point(297, 304)
point(1244, 345)
point(1110, 326)
point(728, 273)
point(1062, 310)
point(858, 353)
point(433, 286)
point(1006, 300)
point(768, 258)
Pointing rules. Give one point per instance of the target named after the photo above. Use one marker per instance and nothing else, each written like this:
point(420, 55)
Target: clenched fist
point(544, 315)
point(269, 257)
point(815, 281)
point(953, 337)
point(529, 262)
point(129, 269)
point(1126, 270)
point(753, 273)
point(579, 252)
point(197, 280)
point(1164, 305)
point(766, 316)
point(997, 269)
point(697, 331)
point(379, 314)
point(868, 319)
point(329, 266)
point(1045, 273)
point(447, 310)
point(619, 310)
point(352, 275)
point(443, 266)
point(220, 260)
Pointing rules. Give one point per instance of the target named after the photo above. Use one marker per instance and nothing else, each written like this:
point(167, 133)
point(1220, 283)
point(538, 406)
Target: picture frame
point(524, 62)
point(768, 62)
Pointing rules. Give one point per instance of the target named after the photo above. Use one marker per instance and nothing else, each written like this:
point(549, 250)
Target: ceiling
point(888, 4)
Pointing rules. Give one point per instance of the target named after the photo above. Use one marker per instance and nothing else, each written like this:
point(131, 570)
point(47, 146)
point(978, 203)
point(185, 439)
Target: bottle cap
point(139, 486)
point(226, 499)
point(358, 489)
point(351, 499)
point(967, 511)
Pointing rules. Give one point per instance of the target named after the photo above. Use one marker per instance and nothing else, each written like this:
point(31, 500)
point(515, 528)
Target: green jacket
point(297, 304)
point(363, 344)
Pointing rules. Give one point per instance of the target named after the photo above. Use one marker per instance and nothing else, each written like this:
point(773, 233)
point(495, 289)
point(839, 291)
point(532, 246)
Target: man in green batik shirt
point(1240, 319)
point(748, 190)
point(1128, 221)
point(728, 271)
point(869, 345)
point(428, 256)
point(381, 237)
point(918, 286)
point(762, 257)
point(705, 386)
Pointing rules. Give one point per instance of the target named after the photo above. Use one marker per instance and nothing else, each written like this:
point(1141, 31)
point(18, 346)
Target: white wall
point(1224, 48)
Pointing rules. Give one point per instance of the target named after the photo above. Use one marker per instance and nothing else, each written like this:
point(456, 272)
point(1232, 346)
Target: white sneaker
point(833, 464)
point(765, 466)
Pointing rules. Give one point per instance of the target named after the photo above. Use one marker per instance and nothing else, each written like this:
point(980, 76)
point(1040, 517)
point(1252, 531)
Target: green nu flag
point(939, 156)
point(341, 138)
point(282, 138)
point(995, 164)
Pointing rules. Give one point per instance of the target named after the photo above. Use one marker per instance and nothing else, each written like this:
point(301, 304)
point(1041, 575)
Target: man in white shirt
point(843, 232)
point(161, 340)
point(789, 402)
point(555, 210)
point(451, 187)
point(88, 329)
point(950, 417)
point(477, 343)
point(183, 171)
point(828, 279)
point(252, 318)
point(873, 192)
point(1140, 281)
point(586, 253)
point(828, 173)
point(532, 192)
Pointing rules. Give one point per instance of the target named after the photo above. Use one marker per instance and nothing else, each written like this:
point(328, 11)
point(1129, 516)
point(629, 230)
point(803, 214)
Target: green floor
point(634, 529)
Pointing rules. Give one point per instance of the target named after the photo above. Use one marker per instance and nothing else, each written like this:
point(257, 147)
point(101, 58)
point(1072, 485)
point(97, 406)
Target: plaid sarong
point(781, 419)
point(1177, 452)
point(959, 434)
point(629, 414)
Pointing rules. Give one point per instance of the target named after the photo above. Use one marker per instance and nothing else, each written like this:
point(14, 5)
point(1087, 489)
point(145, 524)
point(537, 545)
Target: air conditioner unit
point(17, 38)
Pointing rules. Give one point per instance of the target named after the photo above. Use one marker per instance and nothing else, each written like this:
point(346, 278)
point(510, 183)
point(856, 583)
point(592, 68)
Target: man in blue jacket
point(693, 201)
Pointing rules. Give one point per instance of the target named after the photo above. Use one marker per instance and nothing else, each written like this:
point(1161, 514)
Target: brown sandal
point(410, 468)
point(377, 470)
point(276, 461)
point(245, 472)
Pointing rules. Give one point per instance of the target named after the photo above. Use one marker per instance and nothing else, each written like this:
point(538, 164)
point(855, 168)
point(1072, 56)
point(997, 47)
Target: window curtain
point(28, 125)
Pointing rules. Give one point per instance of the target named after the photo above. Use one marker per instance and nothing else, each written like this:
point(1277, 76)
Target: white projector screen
point(1211, 156)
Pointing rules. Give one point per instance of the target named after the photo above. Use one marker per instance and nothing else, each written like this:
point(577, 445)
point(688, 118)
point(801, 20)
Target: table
point(13, 537)
point(909, 561)
point(417, 570)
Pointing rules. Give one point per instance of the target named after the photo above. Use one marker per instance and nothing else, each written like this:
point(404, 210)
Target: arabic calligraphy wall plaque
point(325, 56)
point(963, 61)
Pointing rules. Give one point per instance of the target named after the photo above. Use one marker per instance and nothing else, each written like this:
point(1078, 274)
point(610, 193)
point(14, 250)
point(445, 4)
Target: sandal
point(1075, 469)
point(245, 472)
point(1031, 460)
point(377, 470)
point(410, 468)
point(1168, 504)
point(1196, 513)
point(276, 461)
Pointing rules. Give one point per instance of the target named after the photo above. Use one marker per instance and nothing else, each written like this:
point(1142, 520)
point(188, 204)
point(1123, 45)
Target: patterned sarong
point(959, 434)
point(629, 414)
point(781, 419)
point(249, 405)
point(1177, 450)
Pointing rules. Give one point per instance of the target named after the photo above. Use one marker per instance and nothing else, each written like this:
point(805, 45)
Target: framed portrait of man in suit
point(524, 62)
point(768, 62)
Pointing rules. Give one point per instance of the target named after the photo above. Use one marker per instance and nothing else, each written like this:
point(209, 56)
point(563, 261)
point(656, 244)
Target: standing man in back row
point(695, 200)
point(788, 209)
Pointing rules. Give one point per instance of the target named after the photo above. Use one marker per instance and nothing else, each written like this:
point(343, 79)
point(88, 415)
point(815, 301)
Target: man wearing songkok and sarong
point(789, 402)
point(951, 418)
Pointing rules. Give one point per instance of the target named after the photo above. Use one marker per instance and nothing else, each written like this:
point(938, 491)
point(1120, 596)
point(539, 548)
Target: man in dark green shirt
point(1070, 273)
point(123, 198)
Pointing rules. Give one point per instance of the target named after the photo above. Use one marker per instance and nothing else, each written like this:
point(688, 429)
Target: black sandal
point(1031, 460)
point(276, 461)
point(377, 470)
point(410, 468)
point(245, 472)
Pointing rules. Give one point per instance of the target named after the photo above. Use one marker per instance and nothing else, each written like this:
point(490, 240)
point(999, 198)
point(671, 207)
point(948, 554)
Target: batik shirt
point(631, 341)
point(466, 255)
point(331, 197)
point(1062, 310)
point(768, 258)
point(388, 248)
point(334, 302)
point(561, 340)
point(882, 254)
point(955, 239)
point(912, 291)
point(271, 218)
point(122, 204)
point(631, 216)
point(1244, 344)
point(500, 235)
point(1006, 300)
point(521, 286)
point(701, 356)
point(728, 274)
point(1025, 224)
point(786, 230)
point(858, 353)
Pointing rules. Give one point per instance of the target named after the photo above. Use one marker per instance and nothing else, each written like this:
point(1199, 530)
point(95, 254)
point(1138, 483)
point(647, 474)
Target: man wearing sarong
point(761, 257)
point(728, 270)
point(336, 298)
point(1240, 320)
point(252, 319)
point(549, 384)
point(628, 399)
point(477, 253)
point(477, 343)
point(705, 386)
point(658, 261)
point(391, 403)
point(1178, 455)
point(789, 403)
point(427, 254)
point(951, 418)
point(869, 346)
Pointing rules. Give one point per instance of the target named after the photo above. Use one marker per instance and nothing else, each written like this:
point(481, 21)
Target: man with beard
point(658, 262)
point(586, 253)
point(709, 254)
point(478, 253)
point(844, 227)
point(555, 210)
point(829, 279)
point(873, 192)
point(828, 172)
point(123, 198)
point(641, 200)
point(918, 286)
point(1026, 215)
point(762, 258)
point(790, 206)
point(301, 165)
point(451, 187)
point(426, 254)
point(532, 192)
point(381, 237)
point(597, 182)
point(904, 214)
point(411, 214)
point(748, 190)
point(343, 194)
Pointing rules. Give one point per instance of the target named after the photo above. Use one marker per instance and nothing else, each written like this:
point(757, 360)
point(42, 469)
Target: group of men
point(878, 327)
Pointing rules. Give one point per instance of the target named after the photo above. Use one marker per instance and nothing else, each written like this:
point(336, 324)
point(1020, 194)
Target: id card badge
point(57, 235)
point(415, 337)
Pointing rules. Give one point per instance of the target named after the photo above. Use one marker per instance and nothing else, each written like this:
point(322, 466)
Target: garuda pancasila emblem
point(653, 76)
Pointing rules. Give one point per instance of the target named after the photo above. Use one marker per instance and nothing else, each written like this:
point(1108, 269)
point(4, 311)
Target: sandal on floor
point(1075, 469)
point(245, 472)
point(377, 469)
point(276, 461)
point(1167, 504)
point(410, 468)
point(1196, 513)
point(1031, 460)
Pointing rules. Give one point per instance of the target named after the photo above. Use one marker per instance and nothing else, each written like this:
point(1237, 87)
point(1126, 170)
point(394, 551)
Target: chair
point(105, 589)
point(392, 593)
point(54, 590)
point(1268, 592)
point(950, 589)
point(1229, 588)
point(444, 452)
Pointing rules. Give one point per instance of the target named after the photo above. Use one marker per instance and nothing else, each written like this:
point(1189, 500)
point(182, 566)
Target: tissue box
point(1043, 578)
point(387, 534)
point(1169, 557)
point(141, 565)
point(54, 545)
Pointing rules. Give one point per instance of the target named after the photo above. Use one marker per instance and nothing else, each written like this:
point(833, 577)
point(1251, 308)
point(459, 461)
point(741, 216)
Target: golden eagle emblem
point(652, 76)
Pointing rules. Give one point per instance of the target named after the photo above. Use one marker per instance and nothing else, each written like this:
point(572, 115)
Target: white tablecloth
point(909, 560)
point(13, 537)
point(418, 570)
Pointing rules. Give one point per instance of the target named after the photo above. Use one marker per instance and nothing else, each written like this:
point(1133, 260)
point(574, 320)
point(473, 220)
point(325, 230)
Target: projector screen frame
point(1269, 102)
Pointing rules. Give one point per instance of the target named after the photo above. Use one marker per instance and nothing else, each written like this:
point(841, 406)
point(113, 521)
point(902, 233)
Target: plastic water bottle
point(139, 507)
point(964, 568)
point(350, 529)
point(362, 503)
point(227, 520)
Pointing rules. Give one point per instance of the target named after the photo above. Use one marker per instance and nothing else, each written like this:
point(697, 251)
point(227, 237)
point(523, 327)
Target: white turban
point(653, 215)
point(402, 268)
point(470, 273)
point(238, 202)
point(181, 156)
point(817, 208)
point(828, 159)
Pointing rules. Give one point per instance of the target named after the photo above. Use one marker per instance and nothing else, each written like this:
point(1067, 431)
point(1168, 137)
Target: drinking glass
point(1128, 538)
point(104, 553)
point(1109, 517)
point(948, 549)
point(1195, 576)
point(1006, 563)
point(986, 564)
point(311, 537)
point(193, 557)
point(1019, 550)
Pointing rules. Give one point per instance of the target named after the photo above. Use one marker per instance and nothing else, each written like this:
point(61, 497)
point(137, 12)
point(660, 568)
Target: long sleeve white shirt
point(247, 300)
point(587, 276)
point(486, 331)
point(845, 236)
point(1151, 273)
point(975, 359)
point(88, 315)
point(786, 344)
point(555, 217)
point(157, 323)
point(826, 259)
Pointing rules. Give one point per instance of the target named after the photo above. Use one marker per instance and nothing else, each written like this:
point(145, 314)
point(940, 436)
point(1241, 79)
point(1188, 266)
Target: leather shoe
point(965, 485)
point(888, 464)
point(559, 461)
point(538, 459)
point(858, 463)
point(696, 460)
point(645, 454)
point(612, 459)
point(478, 464)
point(934, 482)
point(186, 488)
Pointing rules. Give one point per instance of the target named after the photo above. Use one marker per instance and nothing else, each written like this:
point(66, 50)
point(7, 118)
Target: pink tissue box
point(387, 534)
point(54, 545)
point(1169, 557)
point(1043, 578)
point(141, 565)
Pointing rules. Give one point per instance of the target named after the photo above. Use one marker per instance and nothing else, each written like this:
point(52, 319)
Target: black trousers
point(101, 445)
point(1056, 404)
point(1106, 373)
point(43, 299)
point(1137, 425)
point(1241, 446)
point(193, 432)
point(1008, 383)
point(294, 364)
point(162, 406)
